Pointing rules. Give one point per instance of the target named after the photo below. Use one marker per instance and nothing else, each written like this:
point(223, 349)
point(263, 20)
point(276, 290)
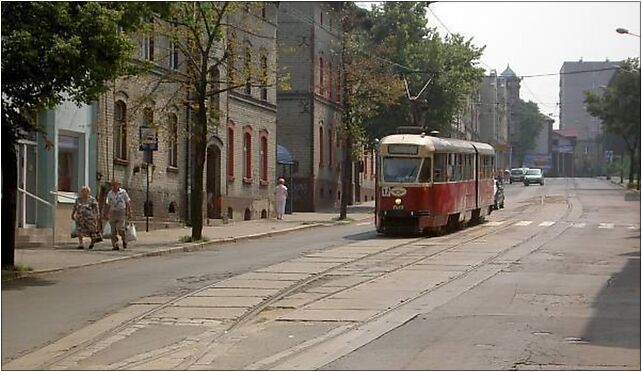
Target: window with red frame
point(230, 152)
point(330, 153)
point(264, 158)
point(320, 75)
point(339, 86)
point(321, 146)
point(247, 155)
point(330, 80)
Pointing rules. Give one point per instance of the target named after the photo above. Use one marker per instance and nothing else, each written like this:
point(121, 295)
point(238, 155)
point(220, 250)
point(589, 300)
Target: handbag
point(130, 233)
point(73, 229)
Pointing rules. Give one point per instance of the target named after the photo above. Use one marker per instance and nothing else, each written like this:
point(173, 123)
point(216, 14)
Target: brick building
point(241, 145)
point(310, 112)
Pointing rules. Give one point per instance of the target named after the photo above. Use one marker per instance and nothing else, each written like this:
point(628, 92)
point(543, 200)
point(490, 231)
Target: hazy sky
point(537, 37)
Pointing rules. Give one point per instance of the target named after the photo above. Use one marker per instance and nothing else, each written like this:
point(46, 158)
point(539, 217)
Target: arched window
point(264, 78)
point(263, 155)
point(148, 121)
point(230, 152)
point(321, 146)
point(247, 155)
point(120, 130)
point(173, 140)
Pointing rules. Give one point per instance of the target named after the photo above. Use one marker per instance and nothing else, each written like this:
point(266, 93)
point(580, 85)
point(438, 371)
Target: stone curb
point(192, 247)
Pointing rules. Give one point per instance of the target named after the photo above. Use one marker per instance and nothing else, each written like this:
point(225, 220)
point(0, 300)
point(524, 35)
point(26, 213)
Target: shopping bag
point(130, 233)
point(73, 229)
point(107, 231)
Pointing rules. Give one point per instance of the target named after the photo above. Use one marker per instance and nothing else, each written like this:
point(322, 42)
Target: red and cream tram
point(426, 182)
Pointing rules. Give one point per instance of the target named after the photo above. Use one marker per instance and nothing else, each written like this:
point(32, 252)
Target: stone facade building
point(240, 163)
point(310, 112)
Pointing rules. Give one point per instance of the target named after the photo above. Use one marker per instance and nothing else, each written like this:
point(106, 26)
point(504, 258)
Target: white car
point(534, 175)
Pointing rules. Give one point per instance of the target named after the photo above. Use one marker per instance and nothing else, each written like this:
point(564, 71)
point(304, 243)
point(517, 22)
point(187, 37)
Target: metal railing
point(53, 207)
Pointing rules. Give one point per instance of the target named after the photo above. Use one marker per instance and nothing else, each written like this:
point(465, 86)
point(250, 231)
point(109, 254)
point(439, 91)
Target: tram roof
point(437, 144)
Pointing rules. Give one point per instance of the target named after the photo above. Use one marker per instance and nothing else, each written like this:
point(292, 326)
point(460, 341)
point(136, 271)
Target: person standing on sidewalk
point(280, 196)
point(85, 214)
point(118, 210)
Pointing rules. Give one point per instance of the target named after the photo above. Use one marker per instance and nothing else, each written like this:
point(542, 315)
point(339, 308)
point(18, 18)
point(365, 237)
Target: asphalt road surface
point(550, 282)
point(36, 311)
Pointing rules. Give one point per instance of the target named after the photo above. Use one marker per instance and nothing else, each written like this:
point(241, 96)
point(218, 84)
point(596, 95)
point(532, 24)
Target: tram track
point(463, 237)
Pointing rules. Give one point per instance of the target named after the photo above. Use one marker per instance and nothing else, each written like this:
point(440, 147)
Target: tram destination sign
point(401, 149)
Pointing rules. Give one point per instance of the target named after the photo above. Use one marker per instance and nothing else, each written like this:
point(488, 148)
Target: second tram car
point(426, 182)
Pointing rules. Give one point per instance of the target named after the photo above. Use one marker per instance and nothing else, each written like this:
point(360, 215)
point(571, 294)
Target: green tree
point(619, 109)
point(368, 83)
point(530, 123)
point(447, 65)
point(52, 51)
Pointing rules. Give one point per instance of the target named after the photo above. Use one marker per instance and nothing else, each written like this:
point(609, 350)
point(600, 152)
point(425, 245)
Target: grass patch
point(345, 220)
point(188, 239)
point(19, 268)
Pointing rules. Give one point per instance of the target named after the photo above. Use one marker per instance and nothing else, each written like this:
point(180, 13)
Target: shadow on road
point(21, 283)
point(616, 322)
point(632, 196)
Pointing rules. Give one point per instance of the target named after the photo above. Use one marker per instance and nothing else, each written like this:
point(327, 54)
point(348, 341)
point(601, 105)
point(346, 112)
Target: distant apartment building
point(498, 95)
point(576, 78)
point(310, 112)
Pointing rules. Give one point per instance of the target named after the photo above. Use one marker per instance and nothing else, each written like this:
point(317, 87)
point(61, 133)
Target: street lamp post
point(621, 30)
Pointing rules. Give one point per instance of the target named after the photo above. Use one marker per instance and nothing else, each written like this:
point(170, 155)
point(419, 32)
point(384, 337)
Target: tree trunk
point(632, 163)
point(9, 199)
point(199, 146)
point(346, 174)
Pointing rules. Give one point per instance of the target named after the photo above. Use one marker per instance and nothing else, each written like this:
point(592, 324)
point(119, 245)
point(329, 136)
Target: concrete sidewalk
point(166, 241)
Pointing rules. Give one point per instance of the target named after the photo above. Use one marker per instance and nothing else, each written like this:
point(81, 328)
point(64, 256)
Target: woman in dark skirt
point(85, 213)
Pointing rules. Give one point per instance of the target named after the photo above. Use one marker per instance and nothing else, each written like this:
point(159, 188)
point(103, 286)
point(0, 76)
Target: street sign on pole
point(148, 144)
point(148, 139)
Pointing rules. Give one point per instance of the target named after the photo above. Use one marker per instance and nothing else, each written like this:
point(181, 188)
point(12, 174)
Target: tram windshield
point(406, 170)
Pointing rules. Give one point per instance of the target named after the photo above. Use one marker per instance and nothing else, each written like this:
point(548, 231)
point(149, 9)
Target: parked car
point(534, 175)
point(517, 174)
point(498, 188)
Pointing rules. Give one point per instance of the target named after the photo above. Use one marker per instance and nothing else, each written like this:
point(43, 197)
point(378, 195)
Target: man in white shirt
point(118, 210)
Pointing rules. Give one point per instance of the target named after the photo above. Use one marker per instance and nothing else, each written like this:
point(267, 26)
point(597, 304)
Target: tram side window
point(426, 171)
point(441, 162)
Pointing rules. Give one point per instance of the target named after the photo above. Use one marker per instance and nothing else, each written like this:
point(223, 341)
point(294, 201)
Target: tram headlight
point(398, 201)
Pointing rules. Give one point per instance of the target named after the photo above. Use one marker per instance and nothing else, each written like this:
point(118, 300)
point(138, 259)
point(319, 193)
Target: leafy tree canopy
point(52, 51)
point(422, 55)
point(619, 108)
point(530, 122)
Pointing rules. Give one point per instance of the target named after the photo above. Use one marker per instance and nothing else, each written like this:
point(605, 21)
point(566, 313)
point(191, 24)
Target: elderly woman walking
point(85, 214)
point(280, 196)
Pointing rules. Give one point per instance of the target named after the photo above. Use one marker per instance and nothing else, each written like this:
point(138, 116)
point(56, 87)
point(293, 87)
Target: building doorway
point(27, 180)
point(213, 182)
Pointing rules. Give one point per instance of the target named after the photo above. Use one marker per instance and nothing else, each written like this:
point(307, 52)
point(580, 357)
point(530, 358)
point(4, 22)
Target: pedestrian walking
point(118, 210)
point(85, 213)
point(280, 196)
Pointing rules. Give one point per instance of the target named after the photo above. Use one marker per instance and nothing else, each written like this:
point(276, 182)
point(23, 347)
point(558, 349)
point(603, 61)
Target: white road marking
point(494, 223)
point(579, 225)
point(606, 226)
point(364, 223)
point(523, 223)
point(547, 223)
point(632, 227)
